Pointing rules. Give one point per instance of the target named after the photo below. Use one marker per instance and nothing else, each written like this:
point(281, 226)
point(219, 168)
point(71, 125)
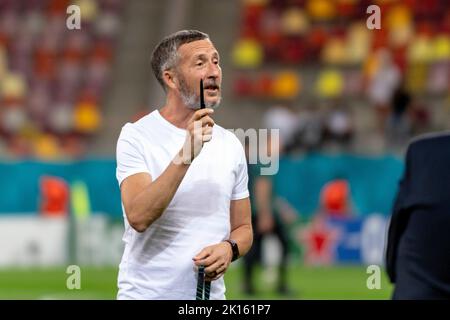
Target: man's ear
point(170, 79)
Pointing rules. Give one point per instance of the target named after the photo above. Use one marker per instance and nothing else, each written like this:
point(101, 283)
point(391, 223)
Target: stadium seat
point(47, 70)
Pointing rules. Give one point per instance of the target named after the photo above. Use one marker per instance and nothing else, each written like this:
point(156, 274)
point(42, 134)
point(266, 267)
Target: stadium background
point(345, 98)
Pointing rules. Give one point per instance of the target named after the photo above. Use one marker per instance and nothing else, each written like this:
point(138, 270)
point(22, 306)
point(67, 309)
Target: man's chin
point(209, 104)
point(213, 104)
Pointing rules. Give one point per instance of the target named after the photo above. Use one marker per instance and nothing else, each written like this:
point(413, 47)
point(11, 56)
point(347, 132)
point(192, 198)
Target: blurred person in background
point(183, 181)
point(339, 128)
point(399, 126)
point(269, 215)
point(382, 86)
point(283, 117)
point(418, 248)
point(310, 133)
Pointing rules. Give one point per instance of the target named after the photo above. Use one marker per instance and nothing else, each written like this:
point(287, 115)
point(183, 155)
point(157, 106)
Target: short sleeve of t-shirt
point(129, 154)
point(240, 189)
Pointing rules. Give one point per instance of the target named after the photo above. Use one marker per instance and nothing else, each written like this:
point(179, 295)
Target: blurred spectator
point(267, 219)
point(310, 133)
point(282, 117)
point(331, 40)
point(339, 126)
point(398, 129)
point(382, 86)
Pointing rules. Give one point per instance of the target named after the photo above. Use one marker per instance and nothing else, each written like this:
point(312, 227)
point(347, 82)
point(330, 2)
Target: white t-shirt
point(157, 264)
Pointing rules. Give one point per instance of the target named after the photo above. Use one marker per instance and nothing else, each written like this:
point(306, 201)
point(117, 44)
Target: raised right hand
point(199, 131)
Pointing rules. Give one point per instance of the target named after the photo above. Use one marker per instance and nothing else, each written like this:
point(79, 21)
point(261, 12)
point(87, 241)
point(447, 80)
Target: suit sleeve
point(399, 218)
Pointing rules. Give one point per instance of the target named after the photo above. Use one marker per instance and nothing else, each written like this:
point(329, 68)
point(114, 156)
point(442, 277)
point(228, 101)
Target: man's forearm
point(243, 235)
point(150, 204)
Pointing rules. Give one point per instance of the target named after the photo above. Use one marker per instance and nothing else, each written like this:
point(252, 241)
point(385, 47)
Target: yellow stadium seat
point(247, 53)
point(46, 147)
point(87, 118)
point(441, 47)
point(286, 85)
point(321, 9)
point(330, 83)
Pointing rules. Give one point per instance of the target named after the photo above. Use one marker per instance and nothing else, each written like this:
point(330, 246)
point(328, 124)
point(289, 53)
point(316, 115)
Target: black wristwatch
point(234, 248)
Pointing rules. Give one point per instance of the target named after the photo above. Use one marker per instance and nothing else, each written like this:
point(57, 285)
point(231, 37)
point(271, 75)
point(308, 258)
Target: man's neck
point(177, 114)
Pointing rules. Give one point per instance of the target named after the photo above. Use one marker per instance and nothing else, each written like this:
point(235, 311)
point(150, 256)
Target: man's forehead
point(198, 47)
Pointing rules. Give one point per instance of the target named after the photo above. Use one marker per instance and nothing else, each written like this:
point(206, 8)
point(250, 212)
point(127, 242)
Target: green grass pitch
point(343, 282)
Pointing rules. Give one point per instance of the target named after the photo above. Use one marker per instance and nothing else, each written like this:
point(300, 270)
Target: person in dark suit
point(418, 245)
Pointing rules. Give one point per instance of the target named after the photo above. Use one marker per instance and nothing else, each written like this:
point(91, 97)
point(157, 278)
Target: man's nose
point(213, 71)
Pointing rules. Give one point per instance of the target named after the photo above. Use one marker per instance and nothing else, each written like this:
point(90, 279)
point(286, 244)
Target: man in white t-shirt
point(183, 181)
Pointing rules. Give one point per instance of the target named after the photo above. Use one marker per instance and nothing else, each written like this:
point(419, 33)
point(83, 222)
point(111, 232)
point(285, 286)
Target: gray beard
point(192, 101)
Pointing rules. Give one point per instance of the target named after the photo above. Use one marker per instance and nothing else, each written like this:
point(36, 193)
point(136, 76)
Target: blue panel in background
point(19, 186)
point(348, 248)
point(373, 182)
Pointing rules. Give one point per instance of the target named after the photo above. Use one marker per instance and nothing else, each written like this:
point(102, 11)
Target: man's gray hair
point(165, 54)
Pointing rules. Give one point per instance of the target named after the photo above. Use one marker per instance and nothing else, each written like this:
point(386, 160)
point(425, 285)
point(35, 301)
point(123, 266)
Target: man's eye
point(199, 63)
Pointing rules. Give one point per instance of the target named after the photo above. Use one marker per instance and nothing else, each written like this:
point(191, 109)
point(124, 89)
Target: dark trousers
point(253, 257)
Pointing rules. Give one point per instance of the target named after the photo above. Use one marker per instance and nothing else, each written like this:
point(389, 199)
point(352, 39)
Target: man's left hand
point(216, 259)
